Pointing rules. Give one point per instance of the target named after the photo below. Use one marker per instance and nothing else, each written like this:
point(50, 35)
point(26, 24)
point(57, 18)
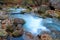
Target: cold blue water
point(35, 24)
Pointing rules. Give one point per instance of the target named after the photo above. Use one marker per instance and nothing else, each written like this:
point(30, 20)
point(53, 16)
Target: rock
point(18, 33)
point(3, 33)
point(10, 28)
point(43, 8)
point(19, 26)
point(46, 37)
point(55, 3)
point(18, 21)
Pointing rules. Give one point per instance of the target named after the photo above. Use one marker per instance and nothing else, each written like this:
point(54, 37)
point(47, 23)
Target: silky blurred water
point(35, 24)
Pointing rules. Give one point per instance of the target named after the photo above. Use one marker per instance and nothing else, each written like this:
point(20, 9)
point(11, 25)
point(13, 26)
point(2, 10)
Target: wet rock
point(18, 33)
point(19, 26)
point(18, 21)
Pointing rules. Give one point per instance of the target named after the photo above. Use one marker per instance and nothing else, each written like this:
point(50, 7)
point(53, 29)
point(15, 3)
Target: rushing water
point(35, 24)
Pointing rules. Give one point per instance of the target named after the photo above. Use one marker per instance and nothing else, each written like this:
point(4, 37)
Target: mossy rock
point(16, 34)
point(10, 29)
